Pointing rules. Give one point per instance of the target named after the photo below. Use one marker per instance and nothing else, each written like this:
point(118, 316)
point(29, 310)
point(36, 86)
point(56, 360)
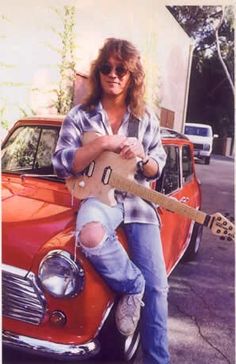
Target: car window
point(170, 178)
point(199, 131)
point(30, 149)
point(46, 147)
point(187, 163)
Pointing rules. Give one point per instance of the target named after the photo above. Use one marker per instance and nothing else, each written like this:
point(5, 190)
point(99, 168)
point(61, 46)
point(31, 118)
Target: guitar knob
point(82, 184)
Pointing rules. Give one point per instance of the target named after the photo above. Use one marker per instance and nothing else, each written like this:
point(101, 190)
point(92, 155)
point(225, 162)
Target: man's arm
point(90, 151)
point(72, 156)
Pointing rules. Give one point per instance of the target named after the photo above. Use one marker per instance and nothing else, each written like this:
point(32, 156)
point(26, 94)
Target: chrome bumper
point(48, 348)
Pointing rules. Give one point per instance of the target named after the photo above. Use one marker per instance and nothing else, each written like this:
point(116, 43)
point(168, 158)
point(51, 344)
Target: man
point(116, 111)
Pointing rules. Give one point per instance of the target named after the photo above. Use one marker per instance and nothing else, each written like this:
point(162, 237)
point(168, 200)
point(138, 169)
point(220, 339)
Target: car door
point(176, 183)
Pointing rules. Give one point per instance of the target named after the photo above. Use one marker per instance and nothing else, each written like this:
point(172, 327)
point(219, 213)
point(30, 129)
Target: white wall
point(28, 69)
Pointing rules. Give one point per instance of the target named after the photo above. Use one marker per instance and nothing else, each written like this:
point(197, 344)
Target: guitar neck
point(171, 204)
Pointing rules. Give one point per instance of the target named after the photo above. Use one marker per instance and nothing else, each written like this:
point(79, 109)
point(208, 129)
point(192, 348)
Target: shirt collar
point(100, 110)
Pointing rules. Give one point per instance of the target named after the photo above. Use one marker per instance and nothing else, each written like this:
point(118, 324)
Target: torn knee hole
point(91, 234)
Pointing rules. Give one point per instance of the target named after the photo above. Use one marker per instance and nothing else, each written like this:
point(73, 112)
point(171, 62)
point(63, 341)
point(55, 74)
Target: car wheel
point(115, 347)
point(195, 241)
point(207, 160)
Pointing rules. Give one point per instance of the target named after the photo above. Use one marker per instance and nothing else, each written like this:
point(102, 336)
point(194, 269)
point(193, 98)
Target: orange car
point(54, 303)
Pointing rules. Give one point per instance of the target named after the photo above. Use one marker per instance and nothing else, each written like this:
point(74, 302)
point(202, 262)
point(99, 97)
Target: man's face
point(114, 77)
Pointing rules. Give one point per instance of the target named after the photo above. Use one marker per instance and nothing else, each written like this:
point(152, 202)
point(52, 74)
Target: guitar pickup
point(90, 169)
point(106, 175)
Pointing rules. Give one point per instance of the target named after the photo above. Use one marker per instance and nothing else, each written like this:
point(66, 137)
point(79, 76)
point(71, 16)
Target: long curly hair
point(129, 56)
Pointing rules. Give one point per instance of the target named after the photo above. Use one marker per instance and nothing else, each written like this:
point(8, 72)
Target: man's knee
point(92, 234)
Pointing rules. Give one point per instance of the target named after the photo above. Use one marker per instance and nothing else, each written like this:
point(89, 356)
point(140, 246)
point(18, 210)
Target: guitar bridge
point(106, 175)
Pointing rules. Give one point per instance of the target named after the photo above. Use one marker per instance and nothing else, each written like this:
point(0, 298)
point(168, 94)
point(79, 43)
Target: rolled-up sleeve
point(68, 142)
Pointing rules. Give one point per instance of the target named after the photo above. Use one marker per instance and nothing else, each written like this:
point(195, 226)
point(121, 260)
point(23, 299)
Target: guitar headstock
point(222, 226)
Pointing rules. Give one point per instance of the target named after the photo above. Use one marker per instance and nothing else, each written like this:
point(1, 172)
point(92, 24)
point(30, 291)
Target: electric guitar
point(109, 172)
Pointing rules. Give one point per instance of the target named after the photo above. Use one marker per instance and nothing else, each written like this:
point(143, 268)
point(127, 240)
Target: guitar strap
point(133, 126)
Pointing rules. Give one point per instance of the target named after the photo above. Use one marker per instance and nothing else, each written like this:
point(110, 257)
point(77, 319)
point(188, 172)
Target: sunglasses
point(120, 70)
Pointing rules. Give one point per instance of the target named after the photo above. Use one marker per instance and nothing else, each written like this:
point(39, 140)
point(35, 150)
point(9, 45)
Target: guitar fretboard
point(171, 204)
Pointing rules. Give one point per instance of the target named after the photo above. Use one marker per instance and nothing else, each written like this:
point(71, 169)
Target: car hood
point(32, 214)
point(199, 139)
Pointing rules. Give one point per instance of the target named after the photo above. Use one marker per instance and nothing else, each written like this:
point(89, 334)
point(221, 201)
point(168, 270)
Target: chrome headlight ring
point(60, 275)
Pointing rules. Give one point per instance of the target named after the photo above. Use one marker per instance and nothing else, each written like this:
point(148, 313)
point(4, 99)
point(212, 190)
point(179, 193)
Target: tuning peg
point(229, 239)
point(230, 217)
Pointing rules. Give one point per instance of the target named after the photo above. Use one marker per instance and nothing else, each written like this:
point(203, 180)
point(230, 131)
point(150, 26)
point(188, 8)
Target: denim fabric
point(109, 258)
point(146, 252)
point(128, 275)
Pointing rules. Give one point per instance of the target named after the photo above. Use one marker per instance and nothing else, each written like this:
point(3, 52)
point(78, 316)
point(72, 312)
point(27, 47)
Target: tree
point(211, 96)
point(218, 45)
point(211, 27)
point(67, 62)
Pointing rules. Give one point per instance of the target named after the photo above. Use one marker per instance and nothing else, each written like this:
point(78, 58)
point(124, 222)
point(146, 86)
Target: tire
point(195, 241)
point(207, 160)
point(115, 347)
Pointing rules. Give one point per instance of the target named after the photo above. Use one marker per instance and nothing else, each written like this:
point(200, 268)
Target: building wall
point(167, 53)
point(30, 45)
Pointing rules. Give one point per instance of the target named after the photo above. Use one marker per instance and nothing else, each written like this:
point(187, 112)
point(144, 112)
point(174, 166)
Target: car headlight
point(206, 147)
point(60, 275)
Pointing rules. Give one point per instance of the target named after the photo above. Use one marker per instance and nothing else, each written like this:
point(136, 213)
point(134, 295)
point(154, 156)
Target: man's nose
point(112, 73)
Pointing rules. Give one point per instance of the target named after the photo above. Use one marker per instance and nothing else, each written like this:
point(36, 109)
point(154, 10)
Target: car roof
point(57, 117)
point(198, 124)
point(166, 133)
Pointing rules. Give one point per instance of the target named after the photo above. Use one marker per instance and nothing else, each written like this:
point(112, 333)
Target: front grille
point(21, 297)
point(198, 146)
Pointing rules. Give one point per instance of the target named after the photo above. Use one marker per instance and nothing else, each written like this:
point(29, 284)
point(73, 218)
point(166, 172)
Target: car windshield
point(197, 130)
point(29, 149)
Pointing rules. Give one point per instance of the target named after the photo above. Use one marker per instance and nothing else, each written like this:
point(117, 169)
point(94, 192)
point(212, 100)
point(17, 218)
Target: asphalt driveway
point(201, 297)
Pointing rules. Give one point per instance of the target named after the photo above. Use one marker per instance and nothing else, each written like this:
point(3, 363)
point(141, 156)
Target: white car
point(201, 136)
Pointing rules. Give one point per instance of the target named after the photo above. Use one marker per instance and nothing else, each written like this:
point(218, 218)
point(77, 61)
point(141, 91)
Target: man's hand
point(131, 147)
point(113, 143)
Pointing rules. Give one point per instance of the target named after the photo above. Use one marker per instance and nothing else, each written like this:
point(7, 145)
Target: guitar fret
point(102, 180)
point(171, 204)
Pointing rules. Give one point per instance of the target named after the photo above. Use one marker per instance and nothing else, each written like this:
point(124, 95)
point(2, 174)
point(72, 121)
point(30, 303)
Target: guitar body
point(110, 172)
point(92, 185)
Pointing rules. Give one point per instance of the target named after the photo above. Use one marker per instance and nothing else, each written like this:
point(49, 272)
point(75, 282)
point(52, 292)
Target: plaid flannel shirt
point(78, 121)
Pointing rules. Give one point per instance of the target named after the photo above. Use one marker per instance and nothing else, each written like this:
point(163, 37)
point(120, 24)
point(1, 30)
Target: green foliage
point(25, 113)
point(67, 60)
point(4, 122)
point(200, 23)
point(211, 98)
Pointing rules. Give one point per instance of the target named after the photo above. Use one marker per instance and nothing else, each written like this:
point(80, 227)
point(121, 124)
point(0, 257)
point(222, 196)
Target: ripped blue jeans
point(130, 274)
